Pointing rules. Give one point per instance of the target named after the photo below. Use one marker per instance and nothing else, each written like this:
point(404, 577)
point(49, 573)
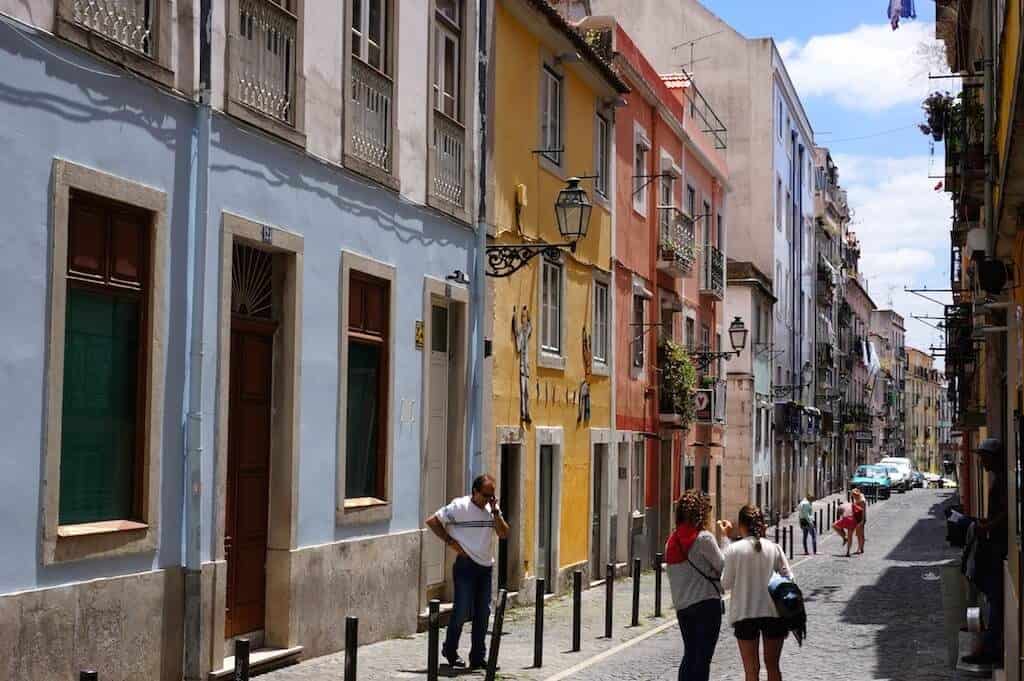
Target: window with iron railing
point(370, 105)
point(448, 151)
point(128, 23)
point(263, 57)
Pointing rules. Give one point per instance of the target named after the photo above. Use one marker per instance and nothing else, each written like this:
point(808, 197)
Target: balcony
point(676, 244)
point(448, 159)
point(369, 113)
point(125, 22)
point(262, 61)
point(712, 282)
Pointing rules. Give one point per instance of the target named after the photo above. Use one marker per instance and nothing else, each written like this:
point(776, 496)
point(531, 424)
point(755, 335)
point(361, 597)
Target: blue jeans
point(810, 529)
point(472, 599)
point(700, 624)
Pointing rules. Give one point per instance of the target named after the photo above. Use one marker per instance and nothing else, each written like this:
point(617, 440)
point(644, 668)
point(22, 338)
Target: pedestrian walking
point(846, 524)
point(807, 522)
point(467, 526)
point(750, 562)
point(860, 516)
point(694, 573)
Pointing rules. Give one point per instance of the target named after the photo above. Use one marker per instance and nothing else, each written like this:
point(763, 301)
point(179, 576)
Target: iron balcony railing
point(263, 59)
point(449, 161)
point(369, 115)
point(125, 22)
point(676, 242)
point(713, 279)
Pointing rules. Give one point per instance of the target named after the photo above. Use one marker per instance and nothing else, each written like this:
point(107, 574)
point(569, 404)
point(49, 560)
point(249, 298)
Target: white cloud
point(903, 225)
point(870, 68)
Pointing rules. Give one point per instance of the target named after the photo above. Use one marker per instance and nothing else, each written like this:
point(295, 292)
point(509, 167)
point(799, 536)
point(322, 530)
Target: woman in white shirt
point(750, 561)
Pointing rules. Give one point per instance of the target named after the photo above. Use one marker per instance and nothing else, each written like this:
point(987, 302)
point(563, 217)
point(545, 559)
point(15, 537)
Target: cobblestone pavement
point(871, 617)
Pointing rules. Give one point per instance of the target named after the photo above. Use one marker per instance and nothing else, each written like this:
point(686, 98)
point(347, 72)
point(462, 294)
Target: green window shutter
point(99, 429)
point(361, 424)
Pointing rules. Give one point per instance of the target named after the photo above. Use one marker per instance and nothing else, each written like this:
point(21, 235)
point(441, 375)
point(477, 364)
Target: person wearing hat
point(993, 530)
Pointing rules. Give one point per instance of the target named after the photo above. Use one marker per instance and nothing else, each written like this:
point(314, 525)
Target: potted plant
point(937, 107)
point(679, 381)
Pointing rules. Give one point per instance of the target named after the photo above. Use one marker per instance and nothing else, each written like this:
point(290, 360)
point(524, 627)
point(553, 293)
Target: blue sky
point(862, 84)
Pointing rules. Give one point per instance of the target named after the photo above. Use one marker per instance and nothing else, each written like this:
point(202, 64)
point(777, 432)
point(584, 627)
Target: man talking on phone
point(467, 526)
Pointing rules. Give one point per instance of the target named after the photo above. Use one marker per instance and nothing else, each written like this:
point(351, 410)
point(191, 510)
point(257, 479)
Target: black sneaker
point(474, 666)
point(982, 659)
point(455, 662)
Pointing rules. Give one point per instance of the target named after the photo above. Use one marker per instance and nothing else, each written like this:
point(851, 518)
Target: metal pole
point(791, 542)
point(609, 594)
point(658, 559)
point(351, 647)
point(88, 675)
point(776, 533)
point(989, 123)
point(635, 620)
point(241, 659)
point(577, 608)
point(538, 625)
point(784, 533)
point(433, 638)
point(499, 621)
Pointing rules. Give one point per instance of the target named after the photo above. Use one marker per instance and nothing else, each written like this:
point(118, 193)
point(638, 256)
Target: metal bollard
point(351, 647)
point(784, 539)
point(88, 675)
point(241, 659)
point(635, 619)
point(791, 542)
point(538, 624)
point(499, 621)
point(658, 559)
point(433, 638)
point(577, 609)
point(609, 595)
point(776, 533)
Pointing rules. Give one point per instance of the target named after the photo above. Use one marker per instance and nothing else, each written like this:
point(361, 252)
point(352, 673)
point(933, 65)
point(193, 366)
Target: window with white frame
point(601, 322)
point(691, 201)
point(448, 57)
point(551, 116)
point(551, 308)
point(641, 153)
point(637, 331)
point(667, 192)
point(602, 154)
point(369, 32)
point(637, 491)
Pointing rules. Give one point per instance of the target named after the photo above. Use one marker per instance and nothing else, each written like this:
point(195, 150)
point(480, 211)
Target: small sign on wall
point(419, 334)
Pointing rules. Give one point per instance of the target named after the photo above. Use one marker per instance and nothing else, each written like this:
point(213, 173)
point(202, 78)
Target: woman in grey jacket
point(694, 565)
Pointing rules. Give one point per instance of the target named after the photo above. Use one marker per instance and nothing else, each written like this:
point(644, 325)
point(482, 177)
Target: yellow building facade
point(551, 324)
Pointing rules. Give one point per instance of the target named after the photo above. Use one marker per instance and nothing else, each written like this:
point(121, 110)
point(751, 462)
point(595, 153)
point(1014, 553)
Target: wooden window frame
point(602, 361)
point(637, 350)
point(602, 155)
point(385, 45)
point(445, 27)
point(123, 536)
point(549, 356)
point(364, 510)
point(553, 159)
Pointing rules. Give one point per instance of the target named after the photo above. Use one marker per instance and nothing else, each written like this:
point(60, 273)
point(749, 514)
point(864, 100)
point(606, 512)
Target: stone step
point(260, 660)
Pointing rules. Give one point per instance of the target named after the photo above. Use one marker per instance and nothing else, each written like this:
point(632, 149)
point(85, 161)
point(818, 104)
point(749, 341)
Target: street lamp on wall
point(572, 215)
point(737, 339)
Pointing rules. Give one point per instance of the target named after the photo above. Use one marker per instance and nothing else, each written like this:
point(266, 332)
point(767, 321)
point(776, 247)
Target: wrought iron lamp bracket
point(506, 260)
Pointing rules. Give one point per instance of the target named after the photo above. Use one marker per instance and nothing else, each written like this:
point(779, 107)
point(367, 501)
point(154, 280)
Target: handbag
point(789, 603)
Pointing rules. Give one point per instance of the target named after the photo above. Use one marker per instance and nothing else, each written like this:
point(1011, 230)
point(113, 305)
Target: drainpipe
point(199, 167)
point(990, 103)
point(479, 290)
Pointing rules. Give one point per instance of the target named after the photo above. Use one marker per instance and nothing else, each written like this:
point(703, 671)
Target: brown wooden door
point(245, 527)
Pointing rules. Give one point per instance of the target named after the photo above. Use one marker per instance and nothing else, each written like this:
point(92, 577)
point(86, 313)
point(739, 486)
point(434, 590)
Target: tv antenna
point(691, 43)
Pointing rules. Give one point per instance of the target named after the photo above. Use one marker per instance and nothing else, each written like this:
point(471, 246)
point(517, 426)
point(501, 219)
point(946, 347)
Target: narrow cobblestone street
point(876, 616)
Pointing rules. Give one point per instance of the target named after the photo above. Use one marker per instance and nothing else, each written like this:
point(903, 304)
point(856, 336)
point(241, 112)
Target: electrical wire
point(21, 29)
point(870, 136)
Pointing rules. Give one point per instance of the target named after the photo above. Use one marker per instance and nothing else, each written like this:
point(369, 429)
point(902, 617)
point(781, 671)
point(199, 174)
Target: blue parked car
point(872, 480)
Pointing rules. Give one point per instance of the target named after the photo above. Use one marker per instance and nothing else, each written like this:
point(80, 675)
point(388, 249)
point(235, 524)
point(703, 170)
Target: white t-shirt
point(472, 527)
point(746, 574)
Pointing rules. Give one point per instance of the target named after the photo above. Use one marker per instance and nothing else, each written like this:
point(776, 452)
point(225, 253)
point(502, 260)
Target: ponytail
point(752, 518)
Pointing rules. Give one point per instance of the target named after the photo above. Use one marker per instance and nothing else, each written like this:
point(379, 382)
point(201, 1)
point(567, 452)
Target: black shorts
point(769, 627)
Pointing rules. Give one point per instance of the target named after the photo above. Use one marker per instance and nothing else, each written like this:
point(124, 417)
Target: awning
point(639, 289)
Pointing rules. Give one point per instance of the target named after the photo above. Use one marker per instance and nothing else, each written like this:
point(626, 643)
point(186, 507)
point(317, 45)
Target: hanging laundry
point(900, 9)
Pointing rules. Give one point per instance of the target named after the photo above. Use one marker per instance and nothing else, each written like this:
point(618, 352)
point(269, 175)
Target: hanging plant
point(679, 381)
point(937, 107)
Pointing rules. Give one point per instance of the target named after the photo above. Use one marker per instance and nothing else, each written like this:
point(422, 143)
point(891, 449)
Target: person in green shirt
point(807, 522)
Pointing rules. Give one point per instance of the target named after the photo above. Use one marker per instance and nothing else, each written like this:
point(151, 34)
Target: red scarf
point(677, 549)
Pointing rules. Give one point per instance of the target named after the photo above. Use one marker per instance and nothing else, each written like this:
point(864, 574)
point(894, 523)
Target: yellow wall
point(1008, 74)
point(518, 54)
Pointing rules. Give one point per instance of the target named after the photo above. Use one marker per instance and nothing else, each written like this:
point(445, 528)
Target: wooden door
point(545, 518)
point(597, 511)
point(435, 495)
point(248, 475)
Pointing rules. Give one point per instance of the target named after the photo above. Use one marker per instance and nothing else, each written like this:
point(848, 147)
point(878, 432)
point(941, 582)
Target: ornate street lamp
point(737, 338)
point(572, 215)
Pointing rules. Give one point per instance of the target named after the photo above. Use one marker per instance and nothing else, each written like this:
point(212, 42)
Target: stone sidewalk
point(405, 658)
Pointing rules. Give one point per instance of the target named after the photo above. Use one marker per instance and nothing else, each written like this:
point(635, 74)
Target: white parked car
point(905, 469)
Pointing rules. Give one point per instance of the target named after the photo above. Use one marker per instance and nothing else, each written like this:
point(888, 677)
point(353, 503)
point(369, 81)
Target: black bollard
point(351, 647)
point(577, 609)
point(241, 659)
point(499, 621)
point(433, 638)
point(635, 620)
point(538, 625)
point(784, 539)
point(88, 675)
point(776, 534)
point(791, 542)
point(609, 595)
point(658, 559)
